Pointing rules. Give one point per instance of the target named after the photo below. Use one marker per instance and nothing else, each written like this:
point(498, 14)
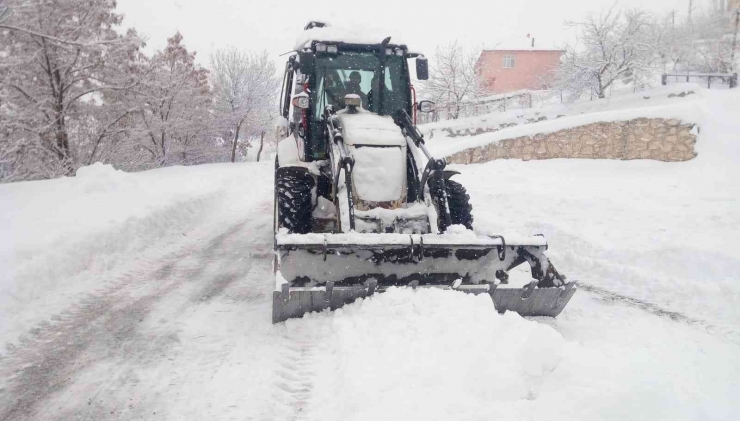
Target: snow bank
point(44, 216)
point(54, 230)
point(441, 355)
point(420, 338)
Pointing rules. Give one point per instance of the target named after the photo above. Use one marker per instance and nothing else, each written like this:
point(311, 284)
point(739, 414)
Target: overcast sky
point(275, 25)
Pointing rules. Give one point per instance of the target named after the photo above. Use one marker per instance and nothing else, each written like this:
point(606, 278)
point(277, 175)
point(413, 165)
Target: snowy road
point(167, 315)
point(187, 335)
point(166, 325)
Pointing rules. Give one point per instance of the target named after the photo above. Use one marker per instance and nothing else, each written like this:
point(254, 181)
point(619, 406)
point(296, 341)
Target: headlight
point(320, 48)
point(331, 49)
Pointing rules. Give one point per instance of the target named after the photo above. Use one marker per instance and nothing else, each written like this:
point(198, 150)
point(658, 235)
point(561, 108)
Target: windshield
point(355, 73)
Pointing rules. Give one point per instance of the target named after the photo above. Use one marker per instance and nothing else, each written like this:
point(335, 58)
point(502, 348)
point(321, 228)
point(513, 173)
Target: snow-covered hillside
point(680, 101)
point(147, 296)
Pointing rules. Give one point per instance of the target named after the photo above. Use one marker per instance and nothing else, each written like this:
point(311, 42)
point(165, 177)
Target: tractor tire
point(457, 199)
point(294, 200)
point(461, 210)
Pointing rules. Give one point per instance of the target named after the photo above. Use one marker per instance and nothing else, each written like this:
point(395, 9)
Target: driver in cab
point(353, 87)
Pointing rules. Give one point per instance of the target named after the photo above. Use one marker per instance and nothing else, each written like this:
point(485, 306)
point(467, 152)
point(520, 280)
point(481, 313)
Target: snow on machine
point(360, 203)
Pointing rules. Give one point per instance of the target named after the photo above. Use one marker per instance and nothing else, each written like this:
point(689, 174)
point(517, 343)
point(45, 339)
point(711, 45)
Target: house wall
point(530, 69)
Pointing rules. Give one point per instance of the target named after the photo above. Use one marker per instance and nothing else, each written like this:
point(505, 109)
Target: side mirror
point(300, 100)
point(307, 63)
point(422, 68)
point(425, 106)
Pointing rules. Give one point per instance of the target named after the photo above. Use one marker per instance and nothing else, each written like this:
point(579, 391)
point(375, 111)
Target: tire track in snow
point(101, 326)
point(580, 247)
point(609, 296)
point(46, 363)
point(614, 297)
point(293, 378)
point(224, 280)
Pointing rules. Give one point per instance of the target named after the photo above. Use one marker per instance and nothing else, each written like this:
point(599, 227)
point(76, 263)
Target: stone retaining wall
point(641, 138)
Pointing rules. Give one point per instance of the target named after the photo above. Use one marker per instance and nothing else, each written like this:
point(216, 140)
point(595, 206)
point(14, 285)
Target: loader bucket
point(326, 271)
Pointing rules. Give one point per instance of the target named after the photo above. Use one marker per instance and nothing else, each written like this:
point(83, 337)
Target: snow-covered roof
point(355, 34)
point(521, 44)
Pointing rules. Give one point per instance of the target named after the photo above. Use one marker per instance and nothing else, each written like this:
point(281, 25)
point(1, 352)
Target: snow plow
point(361, 205)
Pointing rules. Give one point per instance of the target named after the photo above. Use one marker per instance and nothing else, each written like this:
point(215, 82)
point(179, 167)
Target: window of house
point(509, 62)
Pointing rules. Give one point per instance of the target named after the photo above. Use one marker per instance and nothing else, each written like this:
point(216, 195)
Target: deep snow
point(147, 296)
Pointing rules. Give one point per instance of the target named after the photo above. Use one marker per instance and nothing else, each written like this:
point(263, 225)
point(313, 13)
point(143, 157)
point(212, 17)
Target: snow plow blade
point(315, 272)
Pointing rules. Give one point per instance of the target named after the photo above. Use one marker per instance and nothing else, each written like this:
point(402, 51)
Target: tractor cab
point(323, 71)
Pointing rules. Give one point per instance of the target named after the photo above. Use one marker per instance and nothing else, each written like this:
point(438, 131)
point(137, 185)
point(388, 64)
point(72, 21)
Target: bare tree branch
point(245, 90)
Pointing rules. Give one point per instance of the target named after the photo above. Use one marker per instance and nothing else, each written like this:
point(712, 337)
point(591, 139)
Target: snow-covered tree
point(453, 79)
point(168, 112)
point(675, 48)
point(712, 41)
point(613, 46)
point(245, 88)
point(59, 57)
point(703, 43)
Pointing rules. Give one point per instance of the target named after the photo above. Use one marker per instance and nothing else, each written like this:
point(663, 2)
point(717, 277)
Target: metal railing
point(498, 103)
point(722, 79)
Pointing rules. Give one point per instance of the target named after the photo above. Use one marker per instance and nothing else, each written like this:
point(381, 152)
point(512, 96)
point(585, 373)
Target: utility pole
point(691, 9)
point(734, 40)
